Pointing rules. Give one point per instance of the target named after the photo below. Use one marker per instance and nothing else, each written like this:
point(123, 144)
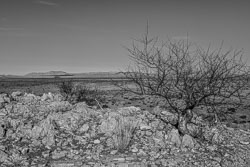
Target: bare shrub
point(80, 93)
point(186, 76)
point(92, 96)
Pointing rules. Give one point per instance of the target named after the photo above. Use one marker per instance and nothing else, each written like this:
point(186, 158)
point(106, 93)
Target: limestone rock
point(145, 127)
point(16, 94)
point(97, 141)
point(174, 137)
point(44, 97)
point(60, 106)
point(3, 156)
point(3, 112)
point(166, 116)
point(108, 126)
point(187, 141)
point(58, 97)
point(84, 128)
point(128, 111)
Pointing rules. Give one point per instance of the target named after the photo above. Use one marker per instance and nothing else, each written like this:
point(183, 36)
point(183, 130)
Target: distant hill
point(10, 76)
point(97, 75)
point(63, 74)
point(50, 73)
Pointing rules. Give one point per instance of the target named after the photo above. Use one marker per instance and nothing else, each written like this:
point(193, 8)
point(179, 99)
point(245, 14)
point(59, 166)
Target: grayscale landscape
point(124, 83)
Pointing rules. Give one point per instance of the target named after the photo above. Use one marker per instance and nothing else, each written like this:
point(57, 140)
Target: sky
point(90, 35)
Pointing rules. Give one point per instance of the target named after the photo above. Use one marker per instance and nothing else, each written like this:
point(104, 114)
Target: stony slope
point(47, 131)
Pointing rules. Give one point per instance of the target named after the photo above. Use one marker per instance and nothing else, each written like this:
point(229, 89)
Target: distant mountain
point(62, 74)
point(50, 73)
point(10, 76)
point(97, 75)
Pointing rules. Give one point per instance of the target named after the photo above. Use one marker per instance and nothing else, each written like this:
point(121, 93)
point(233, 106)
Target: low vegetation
point(81, 93)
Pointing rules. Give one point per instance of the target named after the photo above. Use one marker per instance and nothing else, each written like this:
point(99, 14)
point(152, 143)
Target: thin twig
point(99, 104)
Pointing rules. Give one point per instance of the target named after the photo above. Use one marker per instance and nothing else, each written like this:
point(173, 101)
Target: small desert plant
point(123, 132)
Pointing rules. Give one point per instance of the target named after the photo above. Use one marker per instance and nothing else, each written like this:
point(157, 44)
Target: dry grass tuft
point(123, 132)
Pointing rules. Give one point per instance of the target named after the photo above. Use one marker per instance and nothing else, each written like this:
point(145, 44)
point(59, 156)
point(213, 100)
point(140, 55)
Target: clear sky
point(89, 35)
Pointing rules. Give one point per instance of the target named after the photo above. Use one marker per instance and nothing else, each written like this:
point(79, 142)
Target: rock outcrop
point(47, 131)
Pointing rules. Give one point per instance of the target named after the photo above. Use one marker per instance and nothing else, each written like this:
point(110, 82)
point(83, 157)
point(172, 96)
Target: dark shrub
point(92, 96)
point(67, 89)
point(80, 93)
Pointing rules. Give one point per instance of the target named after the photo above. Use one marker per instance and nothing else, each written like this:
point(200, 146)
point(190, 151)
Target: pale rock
point(44, 97)
point(108, 126)
point(15, 94)
point(187, 141)
point(148, 133)
point(174, 137)
point(1, 98)
point(244, 142)
point(141, 153)
point(128, 111)
point(3, 112)
point(36, 131)
point(58, 97)
point(49, 140)
point(212, 148)
point(134, 150)
point(50, 96)
point(113, 152)
point(85, 110)
point(29, 98)
point(4, 98)
point(59, 154)
point(120, 159)
point(130, 158)
point(3, 157)
point(97, 141)
point(218, 159)
point(217, 138)
point(167, 116)
point(84, 128)
point(145, 127)
point(60, 106)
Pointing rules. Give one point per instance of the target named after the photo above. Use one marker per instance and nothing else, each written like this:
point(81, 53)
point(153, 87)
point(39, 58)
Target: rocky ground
point(47, 131)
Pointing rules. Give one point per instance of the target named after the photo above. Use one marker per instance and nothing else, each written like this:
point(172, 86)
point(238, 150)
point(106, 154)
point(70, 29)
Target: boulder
point(44, 97)
point(174, 137)
point(166, 116)
point(58, 97)
point(187, 142)
point(60, 106)
point(16, 94)
point(107, 126)
point(83, 128)
point(129, 111)
point(29, 98)
point(145, 127)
